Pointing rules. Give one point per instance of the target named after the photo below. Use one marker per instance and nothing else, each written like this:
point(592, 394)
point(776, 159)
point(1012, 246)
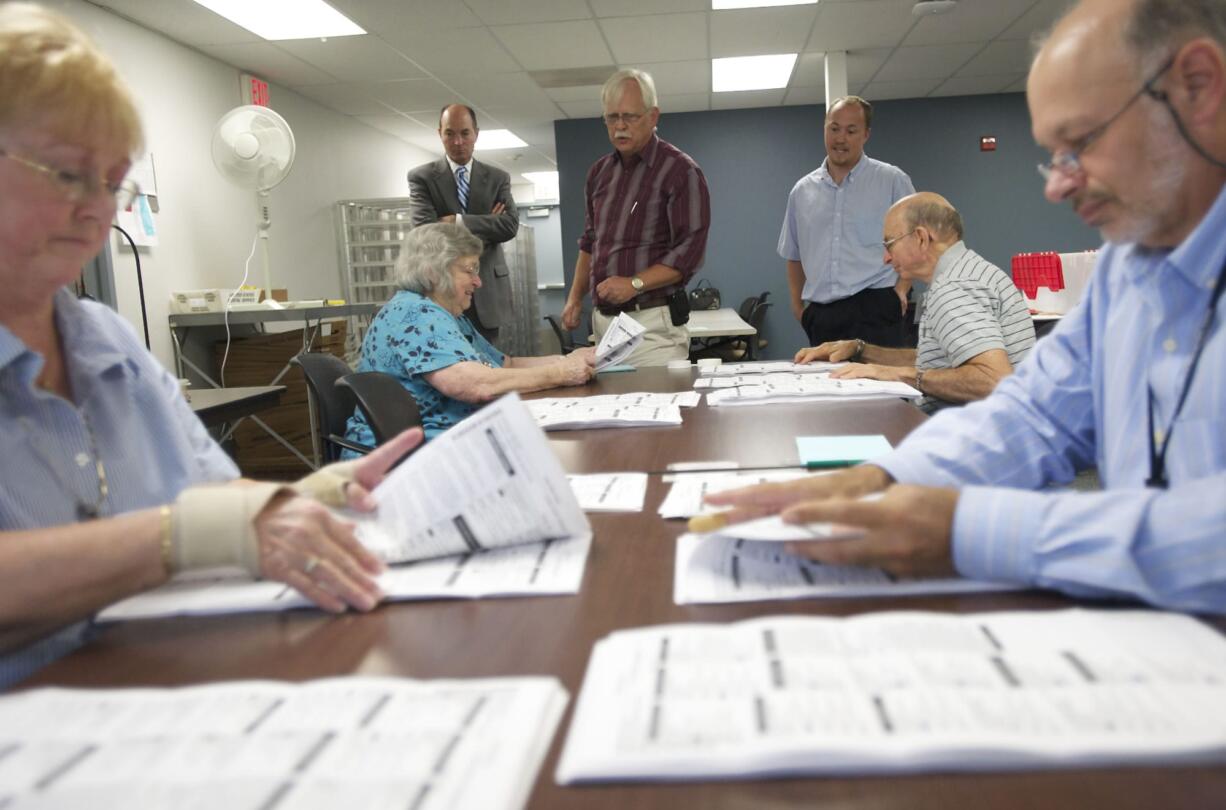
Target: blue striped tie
point(461, 186)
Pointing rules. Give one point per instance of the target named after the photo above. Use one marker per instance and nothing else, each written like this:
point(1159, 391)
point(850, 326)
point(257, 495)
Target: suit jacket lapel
point(447, 189)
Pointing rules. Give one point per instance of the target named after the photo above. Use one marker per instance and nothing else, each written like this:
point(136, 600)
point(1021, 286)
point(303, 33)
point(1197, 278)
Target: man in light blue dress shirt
point(1130, 98)
point(831, 237)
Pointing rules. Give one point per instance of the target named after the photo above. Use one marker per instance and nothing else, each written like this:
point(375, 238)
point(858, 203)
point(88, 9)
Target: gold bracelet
point(168, 561)
point(859, 352)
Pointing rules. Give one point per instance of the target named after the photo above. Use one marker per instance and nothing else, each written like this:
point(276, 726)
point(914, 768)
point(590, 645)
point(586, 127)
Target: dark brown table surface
point(628, 583)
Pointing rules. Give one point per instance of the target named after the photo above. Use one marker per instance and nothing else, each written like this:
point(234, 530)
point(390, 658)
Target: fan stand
point(263, 223)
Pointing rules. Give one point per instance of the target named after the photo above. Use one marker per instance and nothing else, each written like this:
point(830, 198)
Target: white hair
point(426, 256)
point(612, 91)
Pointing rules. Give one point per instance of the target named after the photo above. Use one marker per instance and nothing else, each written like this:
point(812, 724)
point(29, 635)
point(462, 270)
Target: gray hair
point(611, 93)
point(1156, 25)
point(426, 256)
point(943, 220)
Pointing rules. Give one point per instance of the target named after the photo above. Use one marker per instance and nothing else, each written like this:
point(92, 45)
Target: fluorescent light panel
point(285, 19)
point(489, 139)
point(545, 184)
point(719, 5)
point(751, 72)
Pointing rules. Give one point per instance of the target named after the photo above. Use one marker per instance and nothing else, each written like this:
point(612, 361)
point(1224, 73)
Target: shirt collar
point(1200, 257)
point(647, 154)
point(468, 165)
point(947, 259)
point(825, 173)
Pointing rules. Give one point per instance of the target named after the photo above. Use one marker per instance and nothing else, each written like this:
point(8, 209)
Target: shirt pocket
point(866, 229)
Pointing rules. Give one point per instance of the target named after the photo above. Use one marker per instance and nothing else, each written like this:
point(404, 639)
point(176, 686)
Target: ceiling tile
point(436, 50)
point(968, 22)
point(810, 71)
point(405, 129)
point(1018, 86)
point(975, 85)
point(344, 98)
point(805, 95)
point(631, 8)
point(555, 45)
point(926, 62)
point(380, 16)
point(499, 90)
point(1041, 17)
point(410, 95)
point(1002, 56)
point(269, 62)
point(746, 98)
point(514, 12)
point(582, 109)
point(680, 78)
point(645, 39)
point(684, 102)
point(749, 32)
point(855, 26)
point(187, 22)
point(586, 93)
point(364, 58)
point(911, 88)
point(861, 66)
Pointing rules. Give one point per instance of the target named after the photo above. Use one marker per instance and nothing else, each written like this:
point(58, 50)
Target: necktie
point(461, 186)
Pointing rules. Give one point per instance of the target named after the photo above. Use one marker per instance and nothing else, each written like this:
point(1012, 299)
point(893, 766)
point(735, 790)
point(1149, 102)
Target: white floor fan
point(254, 147)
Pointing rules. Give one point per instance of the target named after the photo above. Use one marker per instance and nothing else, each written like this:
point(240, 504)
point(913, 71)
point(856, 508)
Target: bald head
point(928, 210)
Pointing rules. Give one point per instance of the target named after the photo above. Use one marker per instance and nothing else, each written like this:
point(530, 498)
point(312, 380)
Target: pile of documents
point(767, 367)
point(899, 693)
point(611, 410)
point(351, 742)
point(813, 388)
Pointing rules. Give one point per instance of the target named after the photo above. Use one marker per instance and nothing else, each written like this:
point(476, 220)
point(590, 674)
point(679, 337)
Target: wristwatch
point(637, 284)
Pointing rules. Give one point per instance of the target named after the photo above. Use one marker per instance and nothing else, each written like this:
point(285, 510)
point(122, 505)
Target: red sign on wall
point(255, 90)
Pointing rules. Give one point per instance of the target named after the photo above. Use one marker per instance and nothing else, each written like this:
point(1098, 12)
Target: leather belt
point(632, 305)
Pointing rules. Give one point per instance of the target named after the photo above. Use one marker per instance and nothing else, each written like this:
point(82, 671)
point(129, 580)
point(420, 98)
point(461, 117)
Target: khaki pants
point(661, 342)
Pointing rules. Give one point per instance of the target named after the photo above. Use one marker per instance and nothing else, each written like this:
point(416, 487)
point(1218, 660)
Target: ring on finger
point(311, 564)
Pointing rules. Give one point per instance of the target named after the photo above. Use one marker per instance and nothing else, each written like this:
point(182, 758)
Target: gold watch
point(637, 284)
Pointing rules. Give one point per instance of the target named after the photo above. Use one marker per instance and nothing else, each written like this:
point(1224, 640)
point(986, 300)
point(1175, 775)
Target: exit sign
point(255, 90)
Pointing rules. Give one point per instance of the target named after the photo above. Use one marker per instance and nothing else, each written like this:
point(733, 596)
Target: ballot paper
point(585, 413)
point(247, 745)
point(779, 378)
point(817, 388)
point(711, 569)
point(548, 568)
point(610, 492)
point(620, 340)
point(488, 482)
point(768, 367)
point(685, 497)
point(899, 692)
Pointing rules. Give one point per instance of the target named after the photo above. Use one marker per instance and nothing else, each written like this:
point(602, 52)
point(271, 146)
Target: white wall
point(206, 224)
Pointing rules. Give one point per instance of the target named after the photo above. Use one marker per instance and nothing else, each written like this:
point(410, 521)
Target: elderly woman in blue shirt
point(422, 337)
point(111, 483)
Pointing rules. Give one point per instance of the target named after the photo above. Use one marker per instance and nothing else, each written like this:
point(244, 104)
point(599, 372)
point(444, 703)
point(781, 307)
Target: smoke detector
point(926, 8)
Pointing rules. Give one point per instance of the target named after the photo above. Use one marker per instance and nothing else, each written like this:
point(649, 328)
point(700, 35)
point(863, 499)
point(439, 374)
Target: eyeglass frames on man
point(1068, 161)
point(629, 119)
point(77, 187)
point(889, 243)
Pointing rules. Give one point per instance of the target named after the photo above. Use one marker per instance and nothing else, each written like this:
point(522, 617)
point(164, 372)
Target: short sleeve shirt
point(411, 337)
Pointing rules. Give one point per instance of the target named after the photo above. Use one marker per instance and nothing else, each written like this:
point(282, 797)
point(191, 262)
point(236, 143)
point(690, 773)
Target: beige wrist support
point(215, 525)
point(327, 484)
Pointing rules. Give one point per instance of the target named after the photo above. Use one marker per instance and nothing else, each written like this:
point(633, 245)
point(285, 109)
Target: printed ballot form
point(808, 388)
point(611, 410)
point(623, 336)
point(899, 692)
point(685, 496)
point(768, 367)
point(257, 745)
point(610, 492)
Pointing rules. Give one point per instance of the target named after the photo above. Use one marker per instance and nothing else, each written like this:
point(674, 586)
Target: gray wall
point(752, 158)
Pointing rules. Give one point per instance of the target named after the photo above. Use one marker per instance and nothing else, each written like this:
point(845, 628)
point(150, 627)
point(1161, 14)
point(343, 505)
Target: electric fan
point(254, 147)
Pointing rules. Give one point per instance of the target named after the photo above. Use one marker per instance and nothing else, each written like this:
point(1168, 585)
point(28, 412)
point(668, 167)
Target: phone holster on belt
point(679, 307)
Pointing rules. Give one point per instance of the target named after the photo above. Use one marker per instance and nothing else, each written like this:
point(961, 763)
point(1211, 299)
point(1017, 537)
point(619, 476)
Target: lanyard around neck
point(1157, 447)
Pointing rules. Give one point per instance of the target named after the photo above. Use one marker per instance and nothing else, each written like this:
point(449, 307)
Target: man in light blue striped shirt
point(1133, 380)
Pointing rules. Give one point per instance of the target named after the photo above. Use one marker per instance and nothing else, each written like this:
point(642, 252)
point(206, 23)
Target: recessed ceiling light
point(498, 139)
point(751, 72)
point(723, 4)
point(289, 19)
point(926, 8)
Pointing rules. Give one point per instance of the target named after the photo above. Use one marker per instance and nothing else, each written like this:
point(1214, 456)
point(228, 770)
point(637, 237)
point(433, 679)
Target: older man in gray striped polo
point(975, 325)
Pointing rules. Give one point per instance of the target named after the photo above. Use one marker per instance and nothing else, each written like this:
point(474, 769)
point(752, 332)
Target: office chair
point(756, 343)
point(565, 341)
point(388, 408)
point(333, 407)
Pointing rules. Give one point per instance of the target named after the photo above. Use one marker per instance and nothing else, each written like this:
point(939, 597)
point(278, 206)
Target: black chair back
point(333, 406)
point(388, 407)
point(565, 341)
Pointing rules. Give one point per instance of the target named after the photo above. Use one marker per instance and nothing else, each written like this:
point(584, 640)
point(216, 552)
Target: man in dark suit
point(460, 189)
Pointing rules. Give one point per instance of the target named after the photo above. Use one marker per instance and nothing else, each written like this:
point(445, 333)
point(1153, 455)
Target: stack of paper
point(583, 413)
point(685, 497)
point(768, 367)
point(352, 742)
point(610, 492)
point(897, 693)
point(620, 340)
point(816, 389)
point(781, 378)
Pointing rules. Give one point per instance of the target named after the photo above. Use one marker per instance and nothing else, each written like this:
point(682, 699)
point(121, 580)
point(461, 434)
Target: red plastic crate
point(1034, 270)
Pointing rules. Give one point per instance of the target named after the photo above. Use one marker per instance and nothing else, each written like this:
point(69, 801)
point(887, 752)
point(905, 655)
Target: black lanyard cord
point(1157, 449)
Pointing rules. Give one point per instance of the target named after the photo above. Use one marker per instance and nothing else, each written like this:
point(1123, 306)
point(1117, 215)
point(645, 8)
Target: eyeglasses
point(889, 243)
point(77, 187)
point(1068, 161)
point(473, 270)
point(629, 119)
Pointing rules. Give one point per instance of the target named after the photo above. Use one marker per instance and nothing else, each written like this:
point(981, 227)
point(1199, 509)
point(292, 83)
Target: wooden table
point(628, 583)
point(215, 406)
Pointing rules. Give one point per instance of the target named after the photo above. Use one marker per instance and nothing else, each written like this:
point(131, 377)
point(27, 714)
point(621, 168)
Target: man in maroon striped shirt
point(645, 233)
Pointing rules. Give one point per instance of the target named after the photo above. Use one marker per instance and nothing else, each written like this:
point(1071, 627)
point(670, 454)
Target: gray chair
point(386, 405)
point(333, 406)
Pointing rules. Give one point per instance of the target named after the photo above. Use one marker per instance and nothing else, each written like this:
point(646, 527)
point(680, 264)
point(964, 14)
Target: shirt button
point(82, 459)
point(1169, 344)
